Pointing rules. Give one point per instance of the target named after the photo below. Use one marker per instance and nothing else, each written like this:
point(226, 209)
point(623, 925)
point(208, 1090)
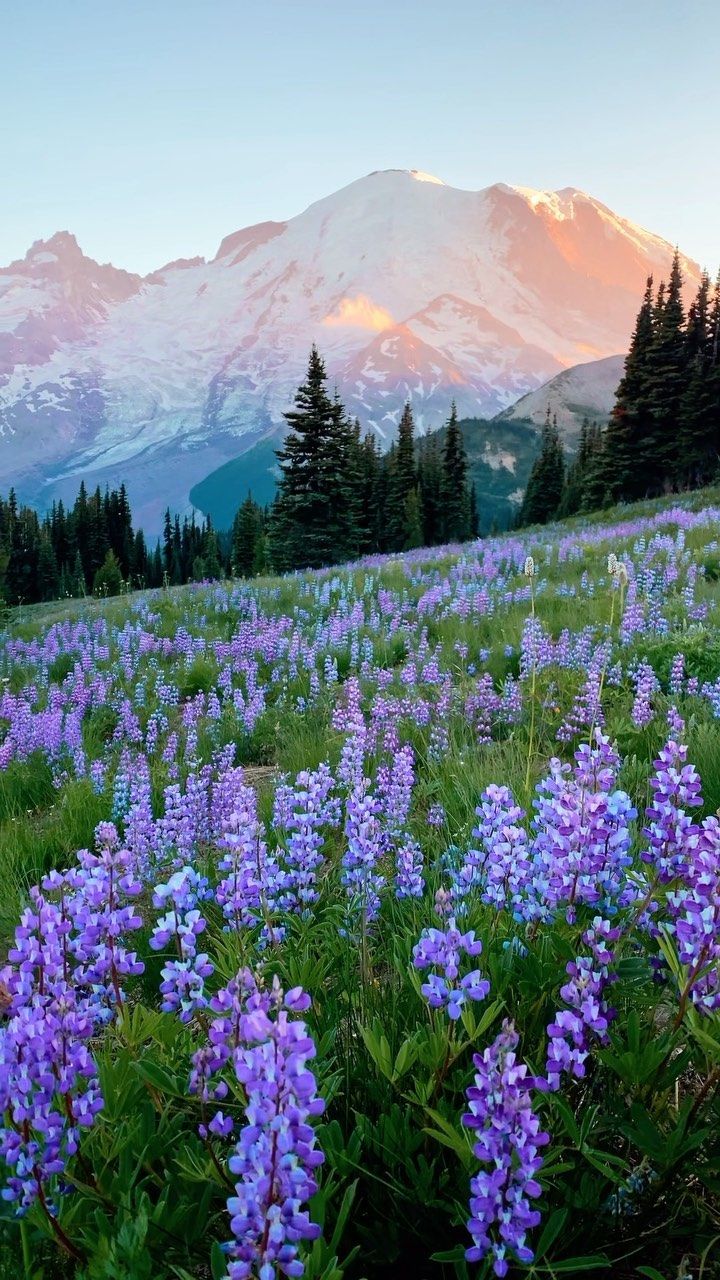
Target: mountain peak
point(61, 244)
point(419, 175)
point(422, 291)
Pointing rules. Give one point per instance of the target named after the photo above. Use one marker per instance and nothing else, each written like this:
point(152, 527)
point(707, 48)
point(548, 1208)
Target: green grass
point(406, 1176)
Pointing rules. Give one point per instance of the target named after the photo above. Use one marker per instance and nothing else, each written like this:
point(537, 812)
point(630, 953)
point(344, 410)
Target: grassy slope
point(41, 826)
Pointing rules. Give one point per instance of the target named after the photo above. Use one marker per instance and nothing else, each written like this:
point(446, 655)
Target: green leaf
point(449, 1136)
point(218, 1262)
point(551, 1231)
point(404, 1059)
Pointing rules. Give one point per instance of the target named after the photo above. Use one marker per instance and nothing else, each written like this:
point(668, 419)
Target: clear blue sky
point(152, 128)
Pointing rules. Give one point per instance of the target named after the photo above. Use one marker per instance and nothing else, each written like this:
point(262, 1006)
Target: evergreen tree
point(167, 553)
point(307, 515)
point(545, 485)
point(156, 567)
point(138, 566)
point(78, 585)
point(211, 554)
point(700, 409)
point(657, 459)
point(370, 496)
point(179, 572)
point(246, 533)
point(411, 521)
point(402, 481)
point(575, 474)
point(630, 420)
point(594, 491)
point(453, 485)
point(48, 578)
point(108, 578)
point(430, 483)
point(474, 514)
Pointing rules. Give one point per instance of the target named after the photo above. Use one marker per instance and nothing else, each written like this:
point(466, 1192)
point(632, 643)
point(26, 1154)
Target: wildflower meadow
point(366, 922)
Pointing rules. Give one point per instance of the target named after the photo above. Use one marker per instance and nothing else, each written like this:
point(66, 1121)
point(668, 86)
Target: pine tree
point(370, 496)
point(545, 485)
point(700, 409)
point(412, 523)
point(474, 514)
point(108, 578)
point(658, 457)
point(48, 578)
point(402, 481)
point(630, 420)
point(430, 484)
point(307, 510)
point(138, 566)
point(247, 531)
point(167, 553)
point(340, 480)
point(594, 492)
point(156, 567)
point(211, 554)
point(453, 485)
point(179, 571)
point(575, 473)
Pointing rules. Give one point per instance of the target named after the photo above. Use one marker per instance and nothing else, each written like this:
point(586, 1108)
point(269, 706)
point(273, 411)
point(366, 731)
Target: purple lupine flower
point(500, 868)
point(276, 1157)
point(587, 1017)
point(183, 985)
point(677, 674)
point(669, 831)
point(104, 885)
point(360, 875)
point(508, 1139)
point(443, 951)
point(302, 810)
point(250, 891)
point(409, 878)
point(646, 686)
point(581, 847)
point(694, 918)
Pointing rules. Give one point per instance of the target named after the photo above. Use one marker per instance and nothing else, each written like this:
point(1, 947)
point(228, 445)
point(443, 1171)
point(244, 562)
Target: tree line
point(92, 546)
point(663, 435)
point(339, 498)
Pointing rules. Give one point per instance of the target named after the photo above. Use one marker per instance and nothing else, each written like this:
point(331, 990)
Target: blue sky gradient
point(152, 129)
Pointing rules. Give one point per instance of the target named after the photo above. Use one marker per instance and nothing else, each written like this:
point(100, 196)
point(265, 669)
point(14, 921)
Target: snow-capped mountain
point(408, 286)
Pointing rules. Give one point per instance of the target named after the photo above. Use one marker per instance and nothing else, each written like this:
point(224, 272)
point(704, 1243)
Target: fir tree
point(430, 483)
point(630, 420)
point(108, 578)
point(246, 532)
point(474, 514)
point(48, 578)
point(453, 485)
point(700, 408)
point(402, 480)
point(545, 485)
point(575, 475)
point(412, 523)
point(657, 458)
point(309, 526)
